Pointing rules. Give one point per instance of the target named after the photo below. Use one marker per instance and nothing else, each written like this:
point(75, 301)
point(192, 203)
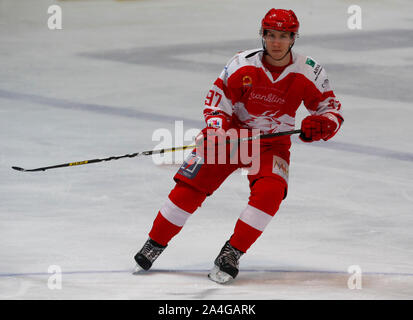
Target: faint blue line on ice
point(132, 113)
point(83, 272)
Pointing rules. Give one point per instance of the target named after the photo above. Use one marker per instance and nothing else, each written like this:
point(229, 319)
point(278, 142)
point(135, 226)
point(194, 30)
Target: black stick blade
point(19, 169)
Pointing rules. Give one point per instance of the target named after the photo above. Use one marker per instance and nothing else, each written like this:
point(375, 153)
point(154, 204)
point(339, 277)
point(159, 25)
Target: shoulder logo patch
point(310, 62)
point(247, 81)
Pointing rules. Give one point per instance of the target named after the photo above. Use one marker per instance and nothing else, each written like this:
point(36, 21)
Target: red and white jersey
point(247, 94)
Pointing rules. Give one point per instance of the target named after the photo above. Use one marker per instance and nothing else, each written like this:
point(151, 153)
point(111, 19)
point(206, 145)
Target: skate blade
point(219, 276)
point(138, 270)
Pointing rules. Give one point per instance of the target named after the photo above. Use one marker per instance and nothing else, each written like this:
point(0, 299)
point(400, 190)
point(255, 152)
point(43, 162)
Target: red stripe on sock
point(162, 230)
point(244, 236)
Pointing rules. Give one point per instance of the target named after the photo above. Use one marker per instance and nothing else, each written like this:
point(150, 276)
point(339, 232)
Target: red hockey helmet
point(281, 20)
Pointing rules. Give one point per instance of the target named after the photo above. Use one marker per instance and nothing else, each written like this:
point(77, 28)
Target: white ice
point(120, 70)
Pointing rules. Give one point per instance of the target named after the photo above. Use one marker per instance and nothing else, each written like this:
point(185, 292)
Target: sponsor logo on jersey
point(214, 123)
point(267, 98)
point(247, 81)
point(226, 72)
point(191, 166)
point(280, 167)
point(317, 71)
point(310, 62)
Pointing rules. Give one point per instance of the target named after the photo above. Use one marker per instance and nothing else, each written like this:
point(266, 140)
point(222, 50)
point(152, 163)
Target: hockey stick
point(147, 153)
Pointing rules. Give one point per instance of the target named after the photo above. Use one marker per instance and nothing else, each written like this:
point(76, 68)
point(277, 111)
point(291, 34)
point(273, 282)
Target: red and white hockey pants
point(196, 179)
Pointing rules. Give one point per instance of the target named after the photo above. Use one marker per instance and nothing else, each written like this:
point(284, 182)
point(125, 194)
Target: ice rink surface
point(118, 72)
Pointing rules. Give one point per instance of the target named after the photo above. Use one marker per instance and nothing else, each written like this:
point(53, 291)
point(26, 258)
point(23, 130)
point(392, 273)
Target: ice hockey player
point(258, 89)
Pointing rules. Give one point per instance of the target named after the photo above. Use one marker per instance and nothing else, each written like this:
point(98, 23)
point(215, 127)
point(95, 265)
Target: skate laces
point(229, 255)
point(150, 251)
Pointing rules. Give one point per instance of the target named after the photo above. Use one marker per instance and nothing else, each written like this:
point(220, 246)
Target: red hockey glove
point(214, 133)
point(315, 128)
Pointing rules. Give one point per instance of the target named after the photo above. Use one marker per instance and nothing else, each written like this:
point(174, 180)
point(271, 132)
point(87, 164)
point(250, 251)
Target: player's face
point(277, 42)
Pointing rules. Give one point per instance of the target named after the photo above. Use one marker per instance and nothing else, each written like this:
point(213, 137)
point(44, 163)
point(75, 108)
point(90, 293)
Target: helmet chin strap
point(266, 52)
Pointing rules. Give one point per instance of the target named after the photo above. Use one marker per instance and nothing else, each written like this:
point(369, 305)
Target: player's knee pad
point(267, 194)
point(186, 197)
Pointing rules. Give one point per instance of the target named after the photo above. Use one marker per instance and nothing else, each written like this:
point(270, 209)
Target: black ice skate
point(226, 264)
point(148, 254)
